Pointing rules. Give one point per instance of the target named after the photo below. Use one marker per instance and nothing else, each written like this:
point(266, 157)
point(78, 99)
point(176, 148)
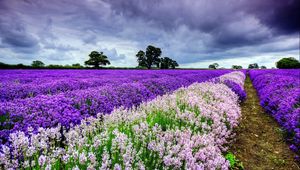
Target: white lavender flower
point(42, 160)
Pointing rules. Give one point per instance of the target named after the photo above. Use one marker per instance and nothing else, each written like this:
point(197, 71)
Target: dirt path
point(259, 141)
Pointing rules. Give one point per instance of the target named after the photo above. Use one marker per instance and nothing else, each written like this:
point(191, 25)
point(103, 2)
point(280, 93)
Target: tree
point(37, 63)
point(167, 62)
point(252, 66)
point(3, 65)
point(150, 57)
point(55, 66)
point(97, 59)
point(263, 67)
point(174, 64)
point(213, 66)
point(141, 58)
point(236, 67)
point(286, 63)
point(77, 65)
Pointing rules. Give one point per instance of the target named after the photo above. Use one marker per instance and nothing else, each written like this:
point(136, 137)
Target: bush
point(286, 63)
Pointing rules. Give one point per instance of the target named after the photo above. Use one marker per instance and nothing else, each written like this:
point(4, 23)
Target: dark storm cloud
point(283, 16)
point(187, 30)
point(208, 15)
point(14, 35)
point(232, 23)
point(18, 38)
point(201, 15)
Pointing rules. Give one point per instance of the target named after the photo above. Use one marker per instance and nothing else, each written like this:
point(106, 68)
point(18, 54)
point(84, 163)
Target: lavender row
point(188, 129)
point(53, 86)
point(57, 82)
point(42, 76)
point(279, 93)
point(53, 82)
point(73, 106)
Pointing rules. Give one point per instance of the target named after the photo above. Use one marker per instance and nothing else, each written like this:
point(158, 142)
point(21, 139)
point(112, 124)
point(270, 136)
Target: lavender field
point(48, 98)
point(137, 119)
point(118, 119)
point(149, 85)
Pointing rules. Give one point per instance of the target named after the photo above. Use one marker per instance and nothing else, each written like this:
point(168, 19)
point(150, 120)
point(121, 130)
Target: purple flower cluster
point(11, 91)
point(189, 128)
point(82, 93)
point(30, 83)
point(279, 92)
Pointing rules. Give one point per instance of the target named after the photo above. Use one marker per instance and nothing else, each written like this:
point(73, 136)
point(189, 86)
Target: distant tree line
point(40, 65)
point(148, 59)
point(236, 67)
point(284, 63)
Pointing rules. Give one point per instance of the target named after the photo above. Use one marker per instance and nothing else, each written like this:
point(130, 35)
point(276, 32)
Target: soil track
point(259, 140)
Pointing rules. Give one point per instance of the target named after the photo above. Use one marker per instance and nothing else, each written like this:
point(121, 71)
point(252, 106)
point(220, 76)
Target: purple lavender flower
point(279, 92)
point(46, 98)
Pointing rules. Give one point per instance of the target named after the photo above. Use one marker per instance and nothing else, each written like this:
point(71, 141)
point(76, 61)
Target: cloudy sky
point(193, 32)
